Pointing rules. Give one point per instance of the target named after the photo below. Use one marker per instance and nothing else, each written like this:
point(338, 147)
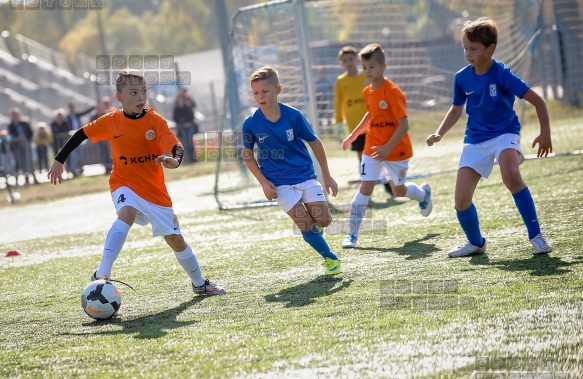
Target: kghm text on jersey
point(382, 124)
point(134, 160)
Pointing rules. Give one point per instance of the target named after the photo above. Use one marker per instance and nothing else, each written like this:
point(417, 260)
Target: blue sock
point(317, 241)
point(525, 205)
point(471, 225)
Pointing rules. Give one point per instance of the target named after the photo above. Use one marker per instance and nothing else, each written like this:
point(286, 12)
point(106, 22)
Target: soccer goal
point(301, 39)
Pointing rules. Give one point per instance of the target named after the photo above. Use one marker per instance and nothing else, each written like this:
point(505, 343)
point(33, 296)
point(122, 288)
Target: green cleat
point(332, 267)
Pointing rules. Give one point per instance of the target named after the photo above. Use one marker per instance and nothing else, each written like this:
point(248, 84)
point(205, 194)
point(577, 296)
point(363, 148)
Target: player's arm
point(330, 184)
point(545, 145)
point(381, 152)
point(269, 188)
point(452, 116)
point(174, 160)
point(55, 174)
point(362, 126)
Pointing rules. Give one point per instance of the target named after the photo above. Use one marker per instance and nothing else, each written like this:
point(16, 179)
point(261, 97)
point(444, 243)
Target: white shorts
point(309, 191)
point(373, 170)
point(481, 156)
point(164, 221)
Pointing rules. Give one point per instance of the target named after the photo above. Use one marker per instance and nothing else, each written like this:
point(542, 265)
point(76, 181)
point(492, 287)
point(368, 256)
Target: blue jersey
point(282, 154)
point(490, 101)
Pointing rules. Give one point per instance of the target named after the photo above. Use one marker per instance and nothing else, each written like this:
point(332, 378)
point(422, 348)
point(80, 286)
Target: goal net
point(421, 40)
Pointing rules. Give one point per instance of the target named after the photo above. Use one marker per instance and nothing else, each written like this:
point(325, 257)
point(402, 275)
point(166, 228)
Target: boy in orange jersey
point(141, 143)
point(387, 148)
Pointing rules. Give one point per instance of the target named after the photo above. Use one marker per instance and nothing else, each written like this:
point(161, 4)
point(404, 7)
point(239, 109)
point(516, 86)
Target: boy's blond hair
point(483, 30)
point(265, 73)
point(127, 77)
point(347, 50)
point(373, 51)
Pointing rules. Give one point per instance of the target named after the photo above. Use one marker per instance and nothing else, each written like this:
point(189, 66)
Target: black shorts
point(358, 144)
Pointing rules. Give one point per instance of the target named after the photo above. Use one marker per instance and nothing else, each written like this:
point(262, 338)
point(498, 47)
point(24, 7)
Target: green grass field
point(400, 309)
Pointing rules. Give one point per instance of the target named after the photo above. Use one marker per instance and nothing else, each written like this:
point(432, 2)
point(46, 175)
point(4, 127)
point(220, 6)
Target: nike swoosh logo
point(319, 194)
point(176, 227)
point(90, 309)
point(117, 136)
point(469, 93)
point(261, 139)
point(513, 143)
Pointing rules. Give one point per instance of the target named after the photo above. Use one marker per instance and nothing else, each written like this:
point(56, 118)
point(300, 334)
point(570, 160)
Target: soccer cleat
point(349, 242)
point(94, 277)
point(208, 289)
point(332, 266)
point(541, 244)
point(467, 249)
point(426, 205)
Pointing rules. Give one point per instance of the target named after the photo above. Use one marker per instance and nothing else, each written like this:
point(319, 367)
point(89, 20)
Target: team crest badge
point(493, 90)
point(383, 104)
point(150, 134)
point(290, 134)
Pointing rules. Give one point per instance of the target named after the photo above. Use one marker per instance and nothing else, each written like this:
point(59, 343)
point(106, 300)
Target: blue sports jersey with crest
point(490, 101)
point(281, 152)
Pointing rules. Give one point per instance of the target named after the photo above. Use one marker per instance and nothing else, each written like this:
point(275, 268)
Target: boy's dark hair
point(347, 50)
point(126, 77)
point(265, 73)
point(373, 51)
point(483, 30)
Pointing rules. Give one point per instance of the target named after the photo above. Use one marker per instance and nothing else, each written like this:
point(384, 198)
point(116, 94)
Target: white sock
point(113, 243)
point(357, 212)
point(189, 263)
point(414, 192)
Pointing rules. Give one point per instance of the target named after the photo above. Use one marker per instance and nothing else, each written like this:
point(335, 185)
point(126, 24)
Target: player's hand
point(545, 146)
point(346, 143)
point(55, 174)
point(433, 138)
point(270, 190)
point(380, 153)
point(331, 186)
point(167, 161)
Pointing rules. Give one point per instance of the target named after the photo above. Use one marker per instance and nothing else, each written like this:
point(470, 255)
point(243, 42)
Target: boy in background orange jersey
point(387, 148)
point(141, 143)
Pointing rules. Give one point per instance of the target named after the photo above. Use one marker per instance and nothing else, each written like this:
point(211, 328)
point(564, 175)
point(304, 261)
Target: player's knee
point(462, 202)
point(513, 181)
point(176, 242)
point(324, 221)
point(127, 215)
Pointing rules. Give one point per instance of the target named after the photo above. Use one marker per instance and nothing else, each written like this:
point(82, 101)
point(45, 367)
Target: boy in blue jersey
point(492, 132)
point(284, 167)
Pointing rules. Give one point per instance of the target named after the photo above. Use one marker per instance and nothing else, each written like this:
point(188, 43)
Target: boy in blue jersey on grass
point(492, 132)
point(284, 167)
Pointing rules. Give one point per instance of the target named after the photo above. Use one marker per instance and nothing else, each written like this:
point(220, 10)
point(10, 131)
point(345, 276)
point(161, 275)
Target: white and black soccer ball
point(101, 299)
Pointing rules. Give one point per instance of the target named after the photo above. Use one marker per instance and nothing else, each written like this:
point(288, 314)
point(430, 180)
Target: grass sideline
point(282, 318)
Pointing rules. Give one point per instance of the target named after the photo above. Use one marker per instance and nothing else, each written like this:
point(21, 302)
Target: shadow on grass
point(306, 293)
point(146, 327)
point(416, 249)
point(538, 265)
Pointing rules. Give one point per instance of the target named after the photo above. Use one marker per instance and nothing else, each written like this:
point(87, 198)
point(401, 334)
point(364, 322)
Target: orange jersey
point(386, 105)
point(135, 144)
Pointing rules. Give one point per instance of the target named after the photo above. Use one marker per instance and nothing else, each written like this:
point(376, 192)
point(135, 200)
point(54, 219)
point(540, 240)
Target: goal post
point(301, 39)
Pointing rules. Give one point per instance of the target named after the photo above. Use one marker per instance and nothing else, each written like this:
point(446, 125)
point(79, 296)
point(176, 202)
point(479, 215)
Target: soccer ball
point(100, 299)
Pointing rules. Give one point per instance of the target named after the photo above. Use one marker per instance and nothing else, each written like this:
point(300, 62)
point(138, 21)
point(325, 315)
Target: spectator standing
point(42, 139)
point(21, 136)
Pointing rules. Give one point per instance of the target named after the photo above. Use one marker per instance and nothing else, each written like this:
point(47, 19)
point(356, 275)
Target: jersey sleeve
point(513, 83)
point(100, 129)
point(248, 135)
point(397, 101)
point(459, 96)
point(166, 137)
point(305, 131)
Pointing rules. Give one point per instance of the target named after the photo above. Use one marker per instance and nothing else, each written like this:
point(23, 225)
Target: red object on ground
point(13, 253)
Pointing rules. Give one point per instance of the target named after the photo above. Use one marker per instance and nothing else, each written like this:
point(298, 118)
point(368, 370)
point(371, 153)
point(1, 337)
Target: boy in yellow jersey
point(387, 148)
point(348, 99)
point(141, 143)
